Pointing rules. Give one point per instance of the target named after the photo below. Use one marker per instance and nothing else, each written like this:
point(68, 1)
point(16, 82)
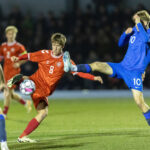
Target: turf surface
point(98, 124)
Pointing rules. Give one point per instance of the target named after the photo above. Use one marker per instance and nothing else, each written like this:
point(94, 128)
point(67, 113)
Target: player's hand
point(136, 18)
point(14, 59)
point(16, 65)
point(99, 79)
point(128, 30)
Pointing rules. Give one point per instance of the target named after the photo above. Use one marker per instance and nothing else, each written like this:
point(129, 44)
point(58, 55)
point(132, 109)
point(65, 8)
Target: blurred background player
point(50, 71)
point(131, 68)
point(8, 49)
point(3, 138)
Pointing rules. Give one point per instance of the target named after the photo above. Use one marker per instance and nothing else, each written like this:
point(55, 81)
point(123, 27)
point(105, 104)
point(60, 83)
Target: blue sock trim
point(88, 68)
point(2, 117)
point(84, 68)
point(3, 141)
point(148, 121)
point(147, 114)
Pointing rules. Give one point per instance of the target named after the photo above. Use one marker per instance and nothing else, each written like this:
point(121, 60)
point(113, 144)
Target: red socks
point(33, 124)
point(23, 102)
point(5, 110)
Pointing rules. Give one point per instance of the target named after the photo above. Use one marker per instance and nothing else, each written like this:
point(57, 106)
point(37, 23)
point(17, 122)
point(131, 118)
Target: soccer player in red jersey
point(50, 71)
point(8, 49)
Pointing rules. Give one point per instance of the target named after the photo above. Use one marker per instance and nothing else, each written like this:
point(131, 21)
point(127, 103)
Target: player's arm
point(19, 63)
point(141, 29)
point(34, 57)
point(87, 75)
point(20, 58)
point(148, 32)
point(124, 38)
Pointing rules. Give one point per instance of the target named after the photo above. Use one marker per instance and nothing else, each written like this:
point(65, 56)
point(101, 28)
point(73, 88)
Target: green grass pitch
point(88, 124)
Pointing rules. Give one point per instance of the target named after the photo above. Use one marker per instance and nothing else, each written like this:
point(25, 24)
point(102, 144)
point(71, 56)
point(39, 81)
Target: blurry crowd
point(91, 34)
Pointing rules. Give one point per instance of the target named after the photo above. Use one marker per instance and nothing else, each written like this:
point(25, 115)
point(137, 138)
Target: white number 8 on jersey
point(51, 70)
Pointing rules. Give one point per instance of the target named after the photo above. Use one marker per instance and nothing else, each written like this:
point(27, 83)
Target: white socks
point(74, 68)
point(4, 146)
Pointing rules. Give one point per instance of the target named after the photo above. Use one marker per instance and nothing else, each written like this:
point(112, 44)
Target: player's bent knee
point(43, 113)
point(139, 103)
point(7, 94)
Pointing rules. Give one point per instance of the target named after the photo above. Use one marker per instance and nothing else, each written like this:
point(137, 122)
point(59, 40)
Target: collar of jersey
point(56, 56)
point(12, 43)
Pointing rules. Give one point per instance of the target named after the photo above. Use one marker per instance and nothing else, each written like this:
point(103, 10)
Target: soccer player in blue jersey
point(3, 139)
point(131, 68)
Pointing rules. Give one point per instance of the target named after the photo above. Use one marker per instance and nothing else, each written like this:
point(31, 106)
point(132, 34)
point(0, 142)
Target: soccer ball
point(27, 87)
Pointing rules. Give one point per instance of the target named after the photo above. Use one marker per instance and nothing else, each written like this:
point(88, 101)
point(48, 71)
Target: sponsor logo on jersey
point(12, 50)
point(47, 62)
point(58, 64)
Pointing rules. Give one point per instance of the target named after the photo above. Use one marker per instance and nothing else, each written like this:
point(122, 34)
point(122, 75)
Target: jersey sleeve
point(1, 51)
point(22, 50)
point(81, 74)
point(38, 56)
point(124, 39)
point(143, 33)
point(148, 31)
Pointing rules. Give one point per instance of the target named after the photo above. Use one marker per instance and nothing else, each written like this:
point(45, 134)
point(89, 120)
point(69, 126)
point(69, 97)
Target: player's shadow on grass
point(44, 145)
point(16, 120)
point(115, 133)
point(55, 143)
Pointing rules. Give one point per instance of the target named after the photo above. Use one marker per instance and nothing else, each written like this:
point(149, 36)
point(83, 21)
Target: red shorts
point(40, 93)
point(36, 100)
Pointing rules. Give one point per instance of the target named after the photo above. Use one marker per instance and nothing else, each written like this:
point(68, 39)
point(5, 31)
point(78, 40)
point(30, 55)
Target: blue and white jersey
point(136, 57)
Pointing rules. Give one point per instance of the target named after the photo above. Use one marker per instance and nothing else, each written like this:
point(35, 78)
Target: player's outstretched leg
point(68, 66)
point(42, 110)
point(102, 67)
point(17, 78)
point(139, 100)
point(3, 138)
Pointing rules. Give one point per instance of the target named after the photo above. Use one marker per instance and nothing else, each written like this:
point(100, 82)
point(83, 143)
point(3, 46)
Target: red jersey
point(7, 51)
point(50, 70)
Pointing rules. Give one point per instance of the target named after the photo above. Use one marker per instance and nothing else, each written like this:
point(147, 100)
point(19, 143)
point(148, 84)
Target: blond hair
point(58, 38)
point(144, 15)
point(11, 28)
